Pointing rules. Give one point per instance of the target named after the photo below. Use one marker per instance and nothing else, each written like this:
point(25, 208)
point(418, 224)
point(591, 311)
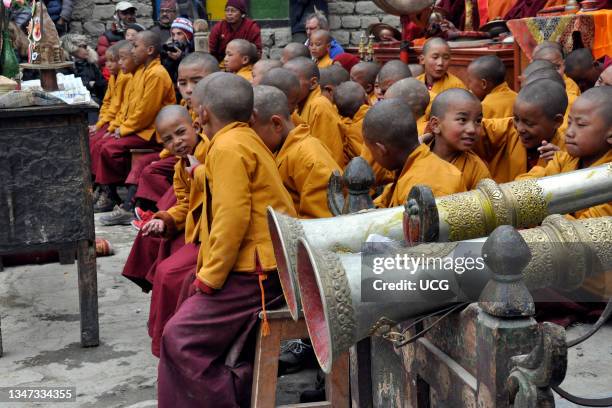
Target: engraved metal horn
point(403, 7)
point(523, 203)
point(344, 233)
point(563, 254)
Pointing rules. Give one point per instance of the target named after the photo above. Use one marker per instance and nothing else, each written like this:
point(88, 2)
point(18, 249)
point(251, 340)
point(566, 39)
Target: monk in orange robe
point(435, 58)
point(352, 103)
point(205, 345)
point(456, 123)
point(262, 67)
point(553, 53)
point(390, 73)
point(487, 80)
point(304, 164)
point(415, 94)
point(364, 73)
point(239, 58)
point(389, 131)
point(294, 50)
point(316, 110)
point(512, 146)
point(330, 78)
point(319, 46)
point(149, 90)
point(284, 80)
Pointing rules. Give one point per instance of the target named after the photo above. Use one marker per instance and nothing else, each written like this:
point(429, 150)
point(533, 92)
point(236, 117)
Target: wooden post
point(88, 293)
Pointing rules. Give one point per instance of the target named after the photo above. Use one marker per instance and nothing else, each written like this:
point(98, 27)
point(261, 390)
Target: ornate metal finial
point(506, 254)
point(362, 45)
point(358, 179)
point(370, 56)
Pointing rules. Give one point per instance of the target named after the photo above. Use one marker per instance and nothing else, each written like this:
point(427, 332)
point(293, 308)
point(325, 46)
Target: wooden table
point(46, 195)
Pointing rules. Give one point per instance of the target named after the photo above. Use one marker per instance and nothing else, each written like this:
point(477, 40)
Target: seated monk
point(330, 78)
point(582, 68)
point(282, 79)
point(364, 73)
point(435, 59)
point(261, 67)
point(294, 50)
point(352, 103)
point(240, 55)
point(487, 80)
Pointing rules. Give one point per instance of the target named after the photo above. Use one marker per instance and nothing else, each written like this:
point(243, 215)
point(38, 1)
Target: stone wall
point(348, 20)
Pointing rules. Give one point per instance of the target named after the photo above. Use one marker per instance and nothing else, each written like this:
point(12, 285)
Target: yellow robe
point(422, 167)
point(472, 169)
point(571, 87)
point(324, 121)
point(501, 148)
point(448, 81)
point(305, 166)
point(246, 72)
point(103, 117)
point(118, 101)
point(185, 214)
point(352, 134)
point(499, 103)
point(150, 90)
point(325, 61)
point(239, 181)
point(372, 98)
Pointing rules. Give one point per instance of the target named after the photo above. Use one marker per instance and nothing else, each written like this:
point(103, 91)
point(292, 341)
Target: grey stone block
point(391, 20)
point(367, 7)
point(76, 27)
point(335, 22)
point(342, 36)
point(356, 37)
point(282, 37)
point(341, 7)
point(351, 22)
point(144, 10)
point(368, 21)
point(83, 10)
point(103, 12)
point(267, 37)
point(94, 28)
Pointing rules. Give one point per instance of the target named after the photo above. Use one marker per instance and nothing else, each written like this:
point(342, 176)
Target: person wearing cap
point(125, 14)
point(178, 46)
point(167, 14)
point(236, 25)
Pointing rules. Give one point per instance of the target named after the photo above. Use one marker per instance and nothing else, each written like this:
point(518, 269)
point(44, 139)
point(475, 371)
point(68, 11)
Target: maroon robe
point(156, 179)
point(115, 159)
point(222, 34)
point(207, 347)
point(95, 140)
point(138, 166)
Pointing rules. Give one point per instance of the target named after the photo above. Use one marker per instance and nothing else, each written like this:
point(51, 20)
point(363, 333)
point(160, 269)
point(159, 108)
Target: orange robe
point(372, 98)
point(239, 181)
point(499, 103)
point(562, 163)
point(305, 166)
point(501, 148)
point(112, 98)
point(151, 89)
point(352, 134)
point(297, 119)
point(446, 82)
point(246, 72)
point(324, 121)
point(472, 169)
point(571, 87)
point(325, 61)
point(382, 176)
point(119, 101)
point(422, 167)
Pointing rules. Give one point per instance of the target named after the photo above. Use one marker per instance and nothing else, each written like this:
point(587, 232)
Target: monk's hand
point(117, 135)
point(154, 227)
point(426, 138)
point(193, 163)
point(547, 150)
point(200, 287)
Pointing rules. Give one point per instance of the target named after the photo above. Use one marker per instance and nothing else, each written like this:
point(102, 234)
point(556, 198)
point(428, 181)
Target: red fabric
point(168, 280)
point(222, 34)
point(139, 165)
point(95, 140)
point(156, 179)
point(167, 200)
point(525, 8)
point(204, 288)
point(347, 60)
point(115, 159)
point(207, 346)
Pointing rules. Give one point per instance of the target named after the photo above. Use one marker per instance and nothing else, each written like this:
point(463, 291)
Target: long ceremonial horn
point(345, 233)
point(563, 253)
point(522, 204)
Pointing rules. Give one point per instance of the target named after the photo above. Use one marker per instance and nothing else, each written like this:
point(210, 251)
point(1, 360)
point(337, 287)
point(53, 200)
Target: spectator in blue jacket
point(318, 21)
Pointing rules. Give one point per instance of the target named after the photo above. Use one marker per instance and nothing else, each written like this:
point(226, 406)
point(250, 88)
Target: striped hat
point(183, 24)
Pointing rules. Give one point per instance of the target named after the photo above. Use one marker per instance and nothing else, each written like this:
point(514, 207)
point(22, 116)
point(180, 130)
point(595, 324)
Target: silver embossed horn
point(563, 254)
point(522, 204)
point(344, 233)
point(403, 7)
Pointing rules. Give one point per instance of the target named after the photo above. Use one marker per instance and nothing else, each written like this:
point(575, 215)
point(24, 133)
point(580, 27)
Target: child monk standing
point(305, 165)
point(236, 272)
point(389, 131)
point(487, 80)
point(435, 58)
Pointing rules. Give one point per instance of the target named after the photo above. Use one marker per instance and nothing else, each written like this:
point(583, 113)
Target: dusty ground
point(40, 333)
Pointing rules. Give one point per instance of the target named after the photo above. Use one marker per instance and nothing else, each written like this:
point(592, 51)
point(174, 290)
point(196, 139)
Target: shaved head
point(294, 50)
point(416, 69)
point(203, 60)
point(282, 79)
point(582, 68)
point(267, 64)
point(245, 48)
point(269, 101)
point(411, 91)
point(434, 42)
point(392, 72)
point(349, 97)
point(391, 123)
point(227, 96)
point(445, 99)
point(601, 96)
point(547, 95)
point(545, 73)
point(321, 34)
point(123, 44)
point(490, 68)
point(172, 112)
point(536, 65)
point(151, 39)
point(333, 75)
point(365, 74)
point(303, 67)
point(548, 44)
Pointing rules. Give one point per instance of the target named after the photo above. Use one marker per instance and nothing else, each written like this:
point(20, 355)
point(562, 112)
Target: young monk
point(582, 68)
point(284, 80)
point(554, 55)
point(456, 123)
point(316, 110)
point(605, 79)
point(149, 90)
point(415, 94)
point(305, 165)
point(588, 141)
point(319, 45)
point(390, 73)
point(240, 55)
point(364, 73)
point(389, 131)
point(487, 80)
point(204, 353)
point(330, 78)
point(416, 69)
point(352, 103)
point(261, 67)
point(294, 50)
point(512, 146)
point(435, 59)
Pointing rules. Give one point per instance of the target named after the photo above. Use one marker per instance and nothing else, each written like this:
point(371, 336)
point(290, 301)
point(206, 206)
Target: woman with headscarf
point(235, 25)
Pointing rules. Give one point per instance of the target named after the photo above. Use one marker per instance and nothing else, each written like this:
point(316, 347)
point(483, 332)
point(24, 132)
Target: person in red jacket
point(236, 25)
point(125, 14)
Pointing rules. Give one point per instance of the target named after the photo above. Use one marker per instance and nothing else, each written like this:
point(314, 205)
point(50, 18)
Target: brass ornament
point(527, 199)
point(463, 214)
point(501, 212)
